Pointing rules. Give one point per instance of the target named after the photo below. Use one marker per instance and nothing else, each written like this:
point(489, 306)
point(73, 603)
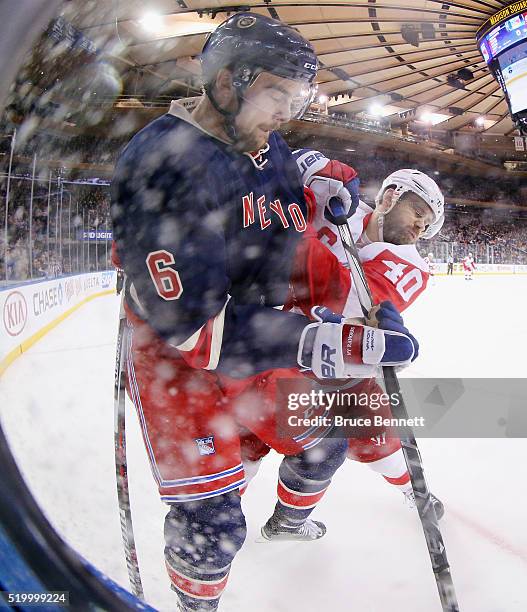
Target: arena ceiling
point(416, 60)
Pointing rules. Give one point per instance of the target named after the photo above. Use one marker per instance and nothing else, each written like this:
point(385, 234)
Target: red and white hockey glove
point(335, 348)
point(328, 179)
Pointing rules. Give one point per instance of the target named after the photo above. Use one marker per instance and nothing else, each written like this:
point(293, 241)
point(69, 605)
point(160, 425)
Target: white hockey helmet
point(430, 254)
point(422, 185)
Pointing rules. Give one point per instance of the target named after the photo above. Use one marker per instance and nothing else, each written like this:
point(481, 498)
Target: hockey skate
point(438, 504)
point(308, 531)
point(181, 607)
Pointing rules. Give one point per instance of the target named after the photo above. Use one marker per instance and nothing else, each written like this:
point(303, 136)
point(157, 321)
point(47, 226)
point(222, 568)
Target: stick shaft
point(412, 456)
point(121, 466)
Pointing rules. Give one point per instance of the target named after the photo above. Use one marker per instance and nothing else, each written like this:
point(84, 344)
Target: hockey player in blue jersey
point(208, 211)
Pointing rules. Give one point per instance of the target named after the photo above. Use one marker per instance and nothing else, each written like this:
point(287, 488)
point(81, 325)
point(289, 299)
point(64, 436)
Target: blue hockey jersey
point(207, 240)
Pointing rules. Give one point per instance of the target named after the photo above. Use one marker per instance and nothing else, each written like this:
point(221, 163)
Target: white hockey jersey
point(394, 272)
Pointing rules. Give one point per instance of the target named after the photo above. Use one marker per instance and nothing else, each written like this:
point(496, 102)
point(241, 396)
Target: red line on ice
point(489, 535)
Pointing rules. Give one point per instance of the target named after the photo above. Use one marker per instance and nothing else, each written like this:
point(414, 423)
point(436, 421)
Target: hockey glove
point(328, 179)
point(335, 348)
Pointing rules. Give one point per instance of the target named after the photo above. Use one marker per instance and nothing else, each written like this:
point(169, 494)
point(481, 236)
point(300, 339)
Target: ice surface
point(57, 408)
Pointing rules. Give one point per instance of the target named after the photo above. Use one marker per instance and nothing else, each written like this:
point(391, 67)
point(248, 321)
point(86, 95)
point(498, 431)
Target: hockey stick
point(121, 468)
point(412, 457)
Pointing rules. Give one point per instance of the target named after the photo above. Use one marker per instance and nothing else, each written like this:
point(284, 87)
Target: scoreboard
point(502, 41)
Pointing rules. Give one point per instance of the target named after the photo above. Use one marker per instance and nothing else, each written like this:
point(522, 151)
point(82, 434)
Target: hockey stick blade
point(412, 456)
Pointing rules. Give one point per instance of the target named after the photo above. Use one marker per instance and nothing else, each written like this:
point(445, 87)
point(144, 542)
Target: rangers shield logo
point(205, 445)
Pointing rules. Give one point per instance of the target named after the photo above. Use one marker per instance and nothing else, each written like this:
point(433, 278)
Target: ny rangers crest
point(205, 445)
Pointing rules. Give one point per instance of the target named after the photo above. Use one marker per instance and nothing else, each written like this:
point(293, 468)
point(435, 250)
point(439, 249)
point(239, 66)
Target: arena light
point(432, 118)
point(480, 121)
point(161, 26)
point(376, 110)
point(322, 99)
point(151, 22)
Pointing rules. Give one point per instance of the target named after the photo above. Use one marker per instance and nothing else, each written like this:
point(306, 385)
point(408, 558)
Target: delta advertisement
point(28, 311)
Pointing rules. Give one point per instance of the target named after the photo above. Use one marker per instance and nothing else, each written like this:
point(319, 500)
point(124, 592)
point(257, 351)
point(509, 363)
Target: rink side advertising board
point(440, 268)
point(29, 311)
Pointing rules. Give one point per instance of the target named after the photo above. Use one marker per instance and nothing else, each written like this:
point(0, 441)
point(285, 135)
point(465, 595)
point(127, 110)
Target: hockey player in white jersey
point(429, 259)
point(468, 266)
point(409, 206)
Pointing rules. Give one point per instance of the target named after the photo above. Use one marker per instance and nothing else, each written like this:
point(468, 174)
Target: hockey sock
point(201, 539)
point(196, 591)
point(393, 469)
point(304, 478)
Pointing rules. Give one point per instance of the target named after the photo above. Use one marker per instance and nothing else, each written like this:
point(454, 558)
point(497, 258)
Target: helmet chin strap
point(229, 116)
point(230, 127)
point(382, 215)
point(380, 226)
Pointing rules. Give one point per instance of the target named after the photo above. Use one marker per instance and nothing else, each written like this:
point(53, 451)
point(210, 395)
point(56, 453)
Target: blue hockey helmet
point(249, 43)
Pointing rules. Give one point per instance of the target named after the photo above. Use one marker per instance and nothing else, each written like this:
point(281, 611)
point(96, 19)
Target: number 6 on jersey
point(166, 279)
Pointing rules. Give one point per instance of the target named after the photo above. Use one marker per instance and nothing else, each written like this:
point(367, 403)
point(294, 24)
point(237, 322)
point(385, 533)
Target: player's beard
point(395, 234)
point(251, 135)
point(250, 141)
